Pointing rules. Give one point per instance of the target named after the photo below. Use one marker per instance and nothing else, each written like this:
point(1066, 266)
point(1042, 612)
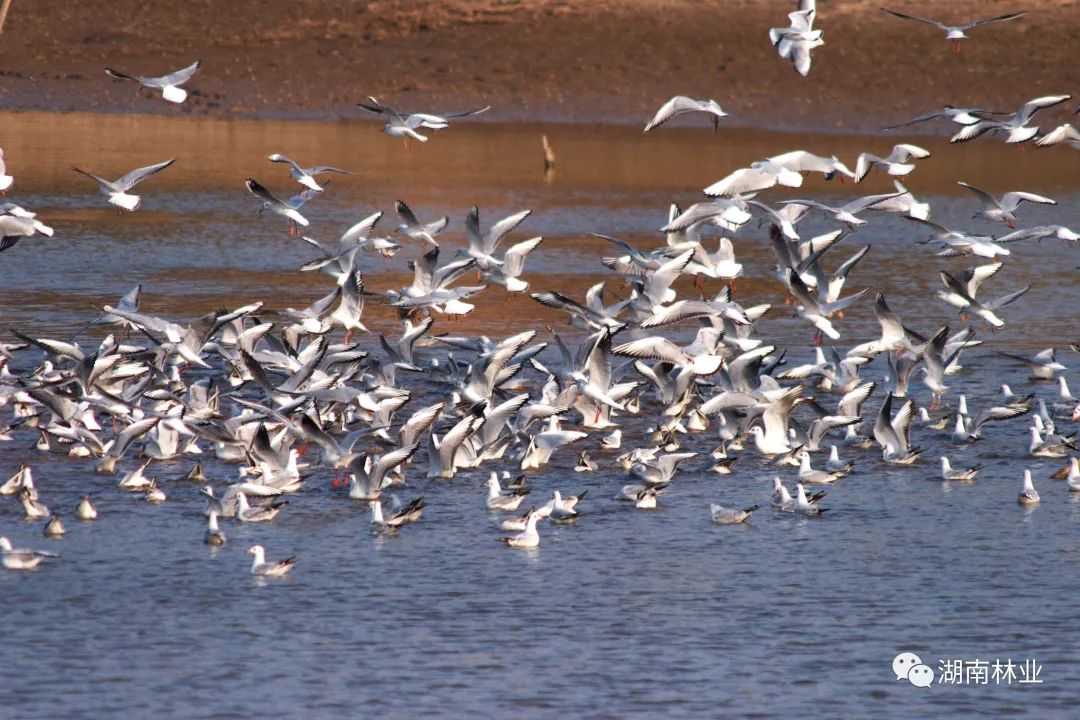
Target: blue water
point(626, 613)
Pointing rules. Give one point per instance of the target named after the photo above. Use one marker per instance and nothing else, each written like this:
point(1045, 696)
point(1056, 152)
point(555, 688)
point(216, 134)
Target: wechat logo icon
point(908, 666)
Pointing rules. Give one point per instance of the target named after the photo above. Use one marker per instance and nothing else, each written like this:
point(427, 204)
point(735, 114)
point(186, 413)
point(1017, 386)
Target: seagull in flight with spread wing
point(168, 84)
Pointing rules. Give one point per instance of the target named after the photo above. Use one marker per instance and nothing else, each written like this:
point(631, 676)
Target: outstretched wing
point(924, 21)
point(180, 76)
point(137, 175)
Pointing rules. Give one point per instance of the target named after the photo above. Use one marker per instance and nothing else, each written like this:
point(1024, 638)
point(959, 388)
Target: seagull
point(783, 501)
point(414, 229)
point(844, 213)
point(681, 104)
point(13, 228)
point(796, 41)
point(1002, 210)
point(497, 500)
point(1070, 471)
point(54, 528)
point(246, 513)
point(730, 516)
point(893, 434)
point(809, 476)
point(1016, 125)
point(898, 162)
point(32, 509)
point(402, 514)
point(405, 126)
point(956, 33)
point(482, 246)
point(529, 538)
point(727, 213)
point(276, 206)
point(20, 559)
point(784, 169)
point(761, 175)
point(961, 294)
point(964, 475)
point(264, 569)
point(1062, 233)
point(154, 495)
point(306, 176)
point(561, 508)
point(612, 441)
point(1062, 135)
point(960, 116)
point(585, 464)
point(835, 464)
point(957, 242)
point(771, 438)
point(168, 84)
point(214, 535)
point(508, 274)
point(1053, 446)
point(646, 497)
point(85, 509)
point(1043, 365)
point(379, 526)
point(818, 313)
point(543, 445)
point(6, 181)
point(1029, 496)
point(117, 190)
point(804, 506)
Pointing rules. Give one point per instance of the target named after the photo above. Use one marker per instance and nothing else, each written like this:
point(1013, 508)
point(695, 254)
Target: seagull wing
point(137, 175)
point(105, 185)
point(675, 106)
point(1033, 106)
point(924, 21)
point(984, 197)
point(987, 21)
point(180, 76)
point(654, 348)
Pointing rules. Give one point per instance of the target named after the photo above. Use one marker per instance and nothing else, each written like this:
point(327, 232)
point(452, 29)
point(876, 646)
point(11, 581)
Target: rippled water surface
point(627, 612)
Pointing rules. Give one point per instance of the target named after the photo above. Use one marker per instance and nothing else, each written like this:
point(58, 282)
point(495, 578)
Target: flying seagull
point(117, 190)
point(168, 84)
point(956, 33)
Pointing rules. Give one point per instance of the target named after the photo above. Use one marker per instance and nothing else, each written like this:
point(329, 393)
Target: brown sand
point(580, 60)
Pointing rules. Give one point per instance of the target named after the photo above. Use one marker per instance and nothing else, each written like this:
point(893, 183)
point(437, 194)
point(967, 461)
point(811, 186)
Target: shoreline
point(610, 62)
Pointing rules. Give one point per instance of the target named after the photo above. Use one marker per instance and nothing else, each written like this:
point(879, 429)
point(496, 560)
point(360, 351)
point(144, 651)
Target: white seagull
point(1016, 126)
point(6, 180)
point(168, 84)
point(260, 567)
point(1029, 496)
point(898, 162)
point(306, 176)
point(276, 206)
point(117, 190)
point(730, 516)
point(956, 33)
point(19, 558)
point(529, 538)
point(681, 104)
point(1002, 210)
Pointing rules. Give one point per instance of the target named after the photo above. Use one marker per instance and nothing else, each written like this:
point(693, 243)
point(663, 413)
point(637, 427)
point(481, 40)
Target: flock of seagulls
point(268, 404)
point(795, 42)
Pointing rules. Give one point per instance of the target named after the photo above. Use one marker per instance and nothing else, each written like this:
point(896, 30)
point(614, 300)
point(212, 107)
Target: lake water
point(626, 613)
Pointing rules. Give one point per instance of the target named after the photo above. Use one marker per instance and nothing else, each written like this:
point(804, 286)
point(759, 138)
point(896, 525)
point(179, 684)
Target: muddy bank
point(549, 60)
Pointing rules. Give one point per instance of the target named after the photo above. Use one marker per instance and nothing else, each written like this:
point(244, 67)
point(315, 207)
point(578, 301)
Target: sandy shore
point(550, 60)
